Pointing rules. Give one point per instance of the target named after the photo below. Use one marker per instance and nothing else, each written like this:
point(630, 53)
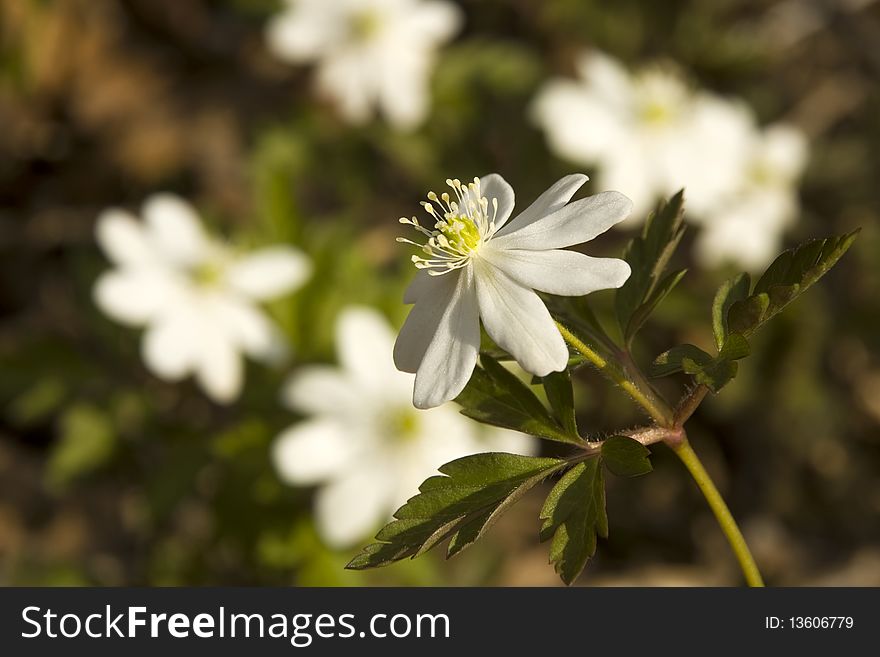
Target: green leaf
point(38, 401)
point(712, 371)
point(648, 256)
point(786, 278)
point(577, 316)
point(735, 347)
point(745, 315)
point(671, 361)
point(715, 374)
point(733, 290)
point(462, 503)
point(626, 457)
point(737, 312)
point(557, 385)
point(87, 441)
point(640, 316)
point(508, 381)
point(495, 396)
point(574, 515)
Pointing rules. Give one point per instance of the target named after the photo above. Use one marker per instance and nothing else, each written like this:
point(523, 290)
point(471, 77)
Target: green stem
point(731, 530)
point(655, 407)
point(633, 382)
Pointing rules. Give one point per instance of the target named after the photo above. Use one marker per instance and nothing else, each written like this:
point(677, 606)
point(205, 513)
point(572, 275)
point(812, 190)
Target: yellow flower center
point(461, 226)
point(402, 424)
point(762, 175)
point(365, 25)
point(654, 113)
point(461, 232)
point(207, 274)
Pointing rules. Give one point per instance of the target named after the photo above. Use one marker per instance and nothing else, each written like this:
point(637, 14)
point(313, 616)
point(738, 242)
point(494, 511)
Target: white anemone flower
point(478, 265)
point(197, 298)
point(747, 225)
point(648, 133)
point(363, 443)
point(371, 53)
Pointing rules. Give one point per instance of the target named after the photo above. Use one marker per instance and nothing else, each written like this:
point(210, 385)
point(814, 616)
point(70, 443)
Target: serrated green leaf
point(476, 527)
point(640, 316)
point(376, 555)
point(733, 290)
point(557, 385)
point(500, 399)
point(462, 503)
point(574, 514)
point(789, 276)
point(626, 457)
point(507, 381)
point(476, 470)
point(670, 361)
point(648, 256)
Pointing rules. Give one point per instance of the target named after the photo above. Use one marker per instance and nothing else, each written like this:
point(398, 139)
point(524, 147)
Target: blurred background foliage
point(109, 476)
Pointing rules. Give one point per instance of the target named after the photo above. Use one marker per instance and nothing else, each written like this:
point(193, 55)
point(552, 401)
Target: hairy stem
point(728, 525)
point(643, 435)
point(689, 403)
point(643, 395)
point(671, 432)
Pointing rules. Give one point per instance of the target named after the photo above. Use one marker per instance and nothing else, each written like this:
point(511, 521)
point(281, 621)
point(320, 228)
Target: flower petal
point(352, 85)
point(578, 125)
point(519, 322)
point(170, 347)
point(302, 32)
point(124, 240)
point(133, 296)
point(421, 324)
point(451, 356)
point(320, 390)
point(364, 343)
point(626, 169)
point(219, 370)
point(494, 187)
point(176, 229)
point(554, 198)
point(403, 94)
point(574, 223)
point(350, 508)
point(784, 151)
point(399, 76)
point(247, 325)
point(269, 273)
point(748, 232)
point(432, 22)
point(566, 273)
point(312, 451)
point(606, 78)
point(423, 283)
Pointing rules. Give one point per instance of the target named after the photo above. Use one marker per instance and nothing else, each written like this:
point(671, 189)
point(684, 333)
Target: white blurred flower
point(649, 134)
point(477, 265)
point(197, 298)
point(364, 444)
point(746, 226)
point(371, 53)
